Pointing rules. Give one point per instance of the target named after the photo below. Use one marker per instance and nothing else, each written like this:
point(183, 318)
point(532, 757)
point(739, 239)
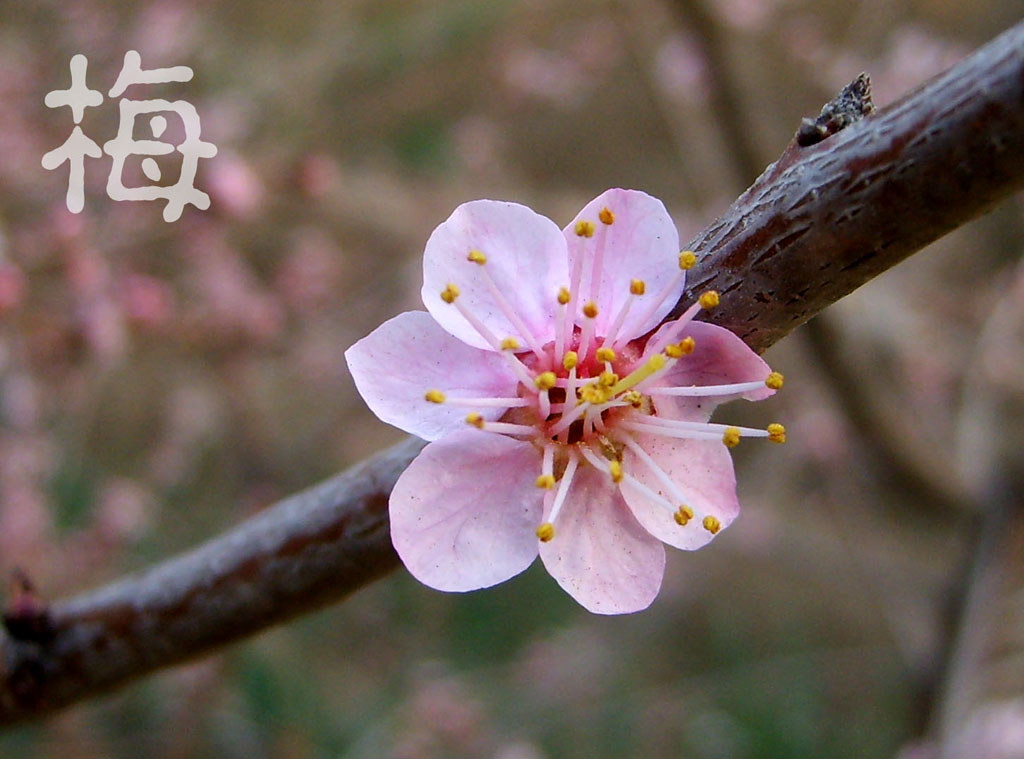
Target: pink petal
point(641, 243)
point(720, 358)
point(600, 555)
point(396, 364)
point(526, 258)
point(464, 513)
point(701, 469)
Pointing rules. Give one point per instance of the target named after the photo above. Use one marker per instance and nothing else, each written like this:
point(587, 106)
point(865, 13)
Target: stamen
point(683, 515)
point(709, 300)
point(517, 366)
point(711, 524)
point(544, 404)
point(510, 344)
point(545, 532)
point(563, 486)
point(564, 321)
point(671, 288)
point(506, 428)
point(568, 418)
point(670, 333)
point(776, 433)
point(731, 437)
point(502, 428)
point(606, 216)
point(687, 260)
point(605, 354)
point(450, 293)
point(701, 430)
point(569, 317)
point(637, 287)
point(605, 466)
point(595, 393)
point(434, 396)
point(570, 360)
point(598, 262)
point(507, 309)
point(700, 391)
point(633, 397)
point(547, 463)
point(545, 380)
point(584, 228)
point(546, 481)
point(774, 381)
point(587, 335)
point(477, 257)
point(486, 402)
point(667, 482)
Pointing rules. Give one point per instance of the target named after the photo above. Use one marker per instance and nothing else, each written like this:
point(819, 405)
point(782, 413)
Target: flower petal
point(396, 364)
point(600, 555)
point(526, 258)
point(720, 358)
point(464, 513)
point(641, 243)
point(702, 470)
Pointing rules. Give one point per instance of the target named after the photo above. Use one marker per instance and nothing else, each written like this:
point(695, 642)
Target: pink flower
point(558, 422)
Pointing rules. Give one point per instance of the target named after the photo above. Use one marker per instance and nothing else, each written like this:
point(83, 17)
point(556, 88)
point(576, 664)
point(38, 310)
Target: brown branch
point(825, 219)
point(820, 222)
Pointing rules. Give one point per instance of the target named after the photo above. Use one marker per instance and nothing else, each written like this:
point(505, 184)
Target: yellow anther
point(594, 393)
point(546, 481)
point(712, 525)
point(686, 345)
point(634, 398)
point(564, 296)
point(475, 419)
point(605, 354)
point(477, 257)
point(674, 351)
point(774, 381)
point(683, 515)
point(570, 359)
point(615, 470)
point(731, 437)
point(776, 433)
point(545, 380)
point(450, 293)
point(607, 379)
point(545, 532)
point(606, 216)
point(687, 260)
point(590, 309)
point(584, 228)
point(637, 287)
point(709, 299)
point(434, 396)
point(653, 364)
point(510, 344)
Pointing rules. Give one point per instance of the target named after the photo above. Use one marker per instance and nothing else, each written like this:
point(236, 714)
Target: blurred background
point(160, 382)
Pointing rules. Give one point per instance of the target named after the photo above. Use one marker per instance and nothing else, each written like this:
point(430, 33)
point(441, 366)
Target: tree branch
point(817, 224)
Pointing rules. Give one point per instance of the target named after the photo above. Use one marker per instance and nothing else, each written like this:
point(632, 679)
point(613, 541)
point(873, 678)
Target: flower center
point(583, 397)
